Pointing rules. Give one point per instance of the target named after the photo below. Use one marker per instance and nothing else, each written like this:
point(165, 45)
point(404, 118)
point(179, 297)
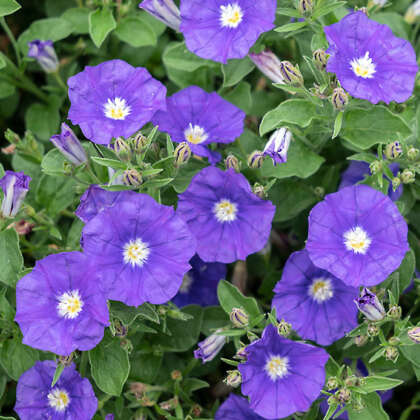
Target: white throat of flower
point(225, 210)
point(116, 109)
point(195, 134)
point(321, 289)
point(277, 367)
point(70, 304)
point(58, 399)
point(357, 240)
point(187, 282)
point(363, 66)
point(231, 15)
point(136, 252)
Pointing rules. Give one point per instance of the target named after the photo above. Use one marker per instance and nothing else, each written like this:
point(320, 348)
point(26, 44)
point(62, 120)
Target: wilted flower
point(15, 186)
point(370, 306)
point(414, 334)
point(269, 64)
point(164, 10)
point(44, 53)
point(69, 145)
point(210, 347)
point(236, 408)
point(278, 145)
point(72, 397)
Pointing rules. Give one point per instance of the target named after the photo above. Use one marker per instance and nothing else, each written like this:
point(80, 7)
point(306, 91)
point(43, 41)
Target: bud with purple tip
point(269, 64)
point(164, 10)
point(255, 159)
point(44, 53)
point(239, 318)
point(291, 74)
point(278, 145)
point(414, 334)
point(233, 379)
point(320, 58)
point(339, 99)
point(15, 186)
point(210, 347)
point(69, 145)
point(182, 154)
point(370, 306)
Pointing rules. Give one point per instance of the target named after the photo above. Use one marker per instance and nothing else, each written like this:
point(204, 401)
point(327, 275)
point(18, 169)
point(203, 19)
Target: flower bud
point(306, 7)
point(239, 318)
point(320, 58)
point(164, 10)
point(182, 154)
point(332, 383)
point(339, 99)
point(44, 53)
point(122, 149)
point(139, 143)
point(394, 341)
point(278, 145)
point(395, 312)
point(196, 410)
point(372, 330)
point(65, 360)
point(412, 153)
point(169, 404)
point(370, 306)
point(176, 375)
point(210, 347)
point(413, 12)
point(291, 74)
point(241, 354)
point(232, 162)
point(393, 150)
point(255, 159)
point(284, 328)
point(69, 145)
point(408, 176)
point(351, 381)
point(12, 137)
point(120, 330)
point(360, 340)
point(343, 395)
point(15, 186)
point(233, 379)
point(414, 334)
point(132, 177)
point(259, 190)
point(269, 64)
point(391, 353)
point(396, 182)
point(319, 191)
point(375, 167)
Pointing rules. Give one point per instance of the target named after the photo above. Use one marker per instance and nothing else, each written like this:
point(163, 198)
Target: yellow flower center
point(195, 134)
point(363, 66)
point(225, 211)
point(277, 367)
point(357, 240)
point(321, 289)
point(116, 109)
point(70, 304)
point(58, 399)
point(231, 15)
point(136, 252)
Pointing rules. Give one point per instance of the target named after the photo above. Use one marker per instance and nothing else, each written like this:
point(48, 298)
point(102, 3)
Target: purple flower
point(164, 10)
point(199, 285)
point(227, 219)
point(357, 171)
point(358, 235)
point(317, 304)
point(210, 347)
point(223, 29)
point(69, 145)
point(72, 397)
point(59, 306)
point(200, 118)
point(142, 247)
point(370, 306)
point(369, 61)
point(15, 186)
point(236, 408)
point(269, 64)
point(278, 145)
point(113, 99)
point(282, 376)
point(109, 417)
point(44, 53)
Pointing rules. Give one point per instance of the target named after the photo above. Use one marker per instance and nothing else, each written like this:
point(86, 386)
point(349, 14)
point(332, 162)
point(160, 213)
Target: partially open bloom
point(59, 306)
point(164, 10)
point(269, 64)
point(278, 145)
point(199, 285)
point(113, 99)
point(72, 397)
point(222, 29)
point(69, 145)
point(15, 186)
point(413, 12)
point(142, 247)
point(236, 408)
point(209, 348)
point(282, 376)
point(227, 219)
point(370, 306)
point(44, 53)
point(369, 61)
point(200, 118)
point(358, 235)
point(317, 304)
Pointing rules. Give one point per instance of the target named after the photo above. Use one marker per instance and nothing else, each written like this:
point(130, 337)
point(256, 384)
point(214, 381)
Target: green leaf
point(185, 174)
point(43, 120)
point(11, 260)
point(235, 70)
point(412, 353)
point(286, 11)
point(327, 8)
point(2, 61)
point(109, 366)
point(53, 163)
point(189, 385)
point(101, 23)
point(214, 318)
point(58, 371)
point(128, 314)
point(364, 128)
point(338, 124)
point(135, 31)
point(289, 27)
point(406, 270)
point(373, 409)
point(7, 7)
point(145, 366)
point(112, 163)
point(331, 410)
point(79, 19)
point(230, 297)
point(297, 154)
point(6, 89)
point(379, 383)
point(240, 96)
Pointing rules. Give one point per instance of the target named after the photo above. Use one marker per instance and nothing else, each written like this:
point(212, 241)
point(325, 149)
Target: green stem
point(57, 77)
point(83, 363)
point(92, 174)
point(12, 38)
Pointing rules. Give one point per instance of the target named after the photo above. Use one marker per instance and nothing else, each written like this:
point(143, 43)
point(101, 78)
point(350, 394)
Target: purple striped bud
point(164, 10)
point(414, 334)
point(210, 347)
point(239, 318)
point(370, 306)
point(278, 145)
point(15, 186)
point(182, 154)
point(44, 53)
point(232, 162)
point(320, 58)
point(233, 379)
point(291, 74)
point(393, 150)
point(255, 159)
point(132, 177)
point(268, 64)
point(339, 99)
point(69, 145)
point(306, 7)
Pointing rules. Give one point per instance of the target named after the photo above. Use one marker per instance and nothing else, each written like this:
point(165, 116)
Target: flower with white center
point(117, 108)
point(187, 282)
point(70, 304)
point(321, 289)
point(277, 367)
point(357, 240)
point(58, 399)
point(225, 211)
point(231, 15)
point(195, 134)
point(136, 252)
point(363, 66)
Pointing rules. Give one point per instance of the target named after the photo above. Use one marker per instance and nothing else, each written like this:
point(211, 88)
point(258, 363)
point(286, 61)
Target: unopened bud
point(120, 330)
point(396, 182)
point(351, 381)
point(291, 74)
point(395, 312)
point(372, 330)
point(259, 190)
point(169, 404)
point(132, 177)
point(66, 360)
point(182, 154)
point(255, 159)
point(391, 354)
point(239, 318)
point(122, 149)
point(412, 153)
point(320, 58)
point(232, 162)
point(319, 191)
point(414, 334)
point(408, 176)
point(306, 7)
point(375, 167)
point(332, 383)
point(393, 150)
point(176, 375)
point(332, 400)
point(11, 136)
point(139, 143)
point(233, 379)
point(241, 354)
point(44, 53)
point(284, 328)
point(360, 340)
point(370, 306)
point(196, 410)
point(394, 341)
point(343, 395)
point(339, 99)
